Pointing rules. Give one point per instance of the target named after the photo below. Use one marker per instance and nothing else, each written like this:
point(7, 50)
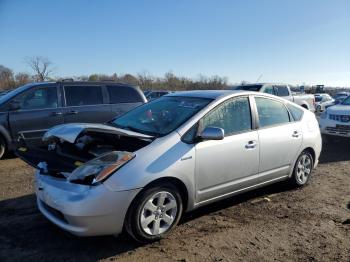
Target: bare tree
point(41, 66)
point(22, 78)
point(6, 78)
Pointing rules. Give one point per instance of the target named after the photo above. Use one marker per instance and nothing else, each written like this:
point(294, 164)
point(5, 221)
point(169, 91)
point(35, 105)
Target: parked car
point(340, 96)
point(281, 90)
point(335, 121)
point(156, 94)
point(29, 111)
point(174, 154)
point(323, 101)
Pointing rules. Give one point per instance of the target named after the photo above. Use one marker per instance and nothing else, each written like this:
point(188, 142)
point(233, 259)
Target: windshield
point(12, 93)
point(346, 101)
point(249, 88)
point(161, 116)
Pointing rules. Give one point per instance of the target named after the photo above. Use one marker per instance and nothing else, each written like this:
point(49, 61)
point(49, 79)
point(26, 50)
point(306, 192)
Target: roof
point(211, 94)
point(261, 83)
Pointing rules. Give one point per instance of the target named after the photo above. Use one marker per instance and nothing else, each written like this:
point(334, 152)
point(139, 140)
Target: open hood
point(70, 132)
point(70, 146)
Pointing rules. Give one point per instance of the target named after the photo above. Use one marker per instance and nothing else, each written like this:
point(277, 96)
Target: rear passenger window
point(83, 95)
point(296, 112)
point(233, 116)
point(271, 112)
point(123, 94)
point(282, 91)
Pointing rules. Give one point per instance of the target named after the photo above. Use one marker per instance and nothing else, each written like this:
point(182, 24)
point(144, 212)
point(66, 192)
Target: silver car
point(141, 171)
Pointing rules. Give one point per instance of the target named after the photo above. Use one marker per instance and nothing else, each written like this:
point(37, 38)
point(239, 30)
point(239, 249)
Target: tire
point(148, 218)
point(3, 148)
point(302, 169)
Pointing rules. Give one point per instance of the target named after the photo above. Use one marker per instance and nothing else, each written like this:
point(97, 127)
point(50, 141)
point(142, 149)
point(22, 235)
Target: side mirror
point(14, 105)
point(212, 133)
point(337, 102)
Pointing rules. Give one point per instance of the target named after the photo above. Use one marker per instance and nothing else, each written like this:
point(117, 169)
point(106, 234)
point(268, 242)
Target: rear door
point(123, 98)
point(280, 138)
point(40, 109)
point(86, 103)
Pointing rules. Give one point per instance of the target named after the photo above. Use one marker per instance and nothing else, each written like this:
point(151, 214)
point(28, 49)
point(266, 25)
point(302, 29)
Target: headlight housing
point(324, 114)
point(99, 169)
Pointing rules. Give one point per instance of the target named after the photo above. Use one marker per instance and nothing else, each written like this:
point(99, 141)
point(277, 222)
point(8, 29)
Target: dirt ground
point(275, 223)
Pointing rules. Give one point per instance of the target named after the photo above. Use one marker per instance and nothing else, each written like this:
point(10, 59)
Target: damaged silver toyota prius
point(142, 170)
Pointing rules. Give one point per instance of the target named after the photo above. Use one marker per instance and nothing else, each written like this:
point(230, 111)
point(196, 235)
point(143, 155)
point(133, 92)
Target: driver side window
point(233, 116)
point(39, 98)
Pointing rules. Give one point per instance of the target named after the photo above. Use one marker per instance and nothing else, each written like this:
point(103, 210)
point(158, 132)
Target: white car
point(323, 101)
point(335, 121)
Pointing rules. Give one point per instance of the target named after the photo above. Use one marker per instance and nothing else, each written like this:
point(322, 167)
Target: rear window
point(282, 91)
point(296, 112)
point(123, 94)
point(83, 95)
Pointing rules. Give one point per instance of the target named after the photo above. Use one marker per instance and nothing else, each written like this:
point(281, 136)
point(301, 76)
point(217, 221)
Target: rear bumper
point(82, 210)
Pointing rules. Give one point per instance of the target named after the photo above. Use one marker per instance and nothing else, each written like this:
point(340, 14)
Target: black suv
point(28, 111)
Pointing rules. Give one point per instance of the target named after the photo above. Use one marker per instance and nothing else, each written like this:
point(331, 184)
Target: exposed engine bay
point(59, 157)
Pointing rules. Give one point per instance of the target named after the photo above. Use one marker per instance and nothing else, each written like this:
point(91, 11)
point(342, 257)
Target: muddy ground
point(275, 223)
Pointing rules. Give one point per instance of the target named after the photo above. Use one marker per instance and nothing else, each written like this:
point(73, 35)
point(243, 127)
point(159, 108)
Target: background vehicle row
point(29, 111)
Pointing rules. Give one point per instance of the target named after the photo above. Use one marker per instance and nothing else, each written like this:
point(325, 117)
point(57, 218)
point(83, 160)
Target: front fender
point(164, 158)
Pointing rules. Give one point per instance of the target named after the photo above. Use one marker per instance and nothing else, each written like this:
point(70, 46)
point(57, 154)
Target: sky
point(290, 41)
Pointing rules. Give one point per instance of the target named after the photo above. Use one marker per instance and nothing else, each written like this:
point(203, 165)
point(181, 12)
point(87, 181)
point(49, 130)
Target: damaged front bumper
point(81, 209)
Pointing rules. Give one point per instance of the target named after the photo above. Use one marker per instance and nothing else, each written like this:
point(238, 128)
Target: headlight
point(100, 168)
point(324, 114)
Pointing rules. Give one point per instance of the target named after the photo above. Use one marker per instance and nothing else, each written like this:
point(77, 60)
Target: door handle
point(56, 113)
point(72, 113)
point(296, 134)
point(251, 144)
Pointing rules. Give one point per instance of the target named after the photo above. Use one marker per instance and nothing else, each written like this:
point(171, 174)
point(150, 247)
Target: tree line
point(42, 70)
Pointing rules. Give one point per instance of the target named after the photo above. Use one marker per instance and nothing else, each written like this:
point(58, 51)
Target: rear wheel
point(2, 148)
point(302, 169)
point(154, 213)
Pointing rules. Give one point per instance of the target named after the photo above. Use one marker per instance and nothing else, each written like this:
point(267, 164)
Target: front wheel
point(154, 213)
point(302, 169)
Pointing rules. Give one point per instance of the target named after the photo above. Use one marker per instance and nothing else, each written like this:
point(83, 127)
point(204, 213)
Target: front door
point(227, 165)
point(39, 110)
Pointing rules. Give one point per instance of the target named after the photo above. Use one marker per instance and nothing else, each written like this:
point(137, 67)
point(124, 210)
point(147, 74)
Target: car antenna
point(260, 76)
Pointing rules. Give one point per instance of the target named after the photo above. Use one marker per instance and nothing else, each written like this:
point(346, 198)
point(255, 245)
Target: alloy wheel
point(303, 169)
point(158, 213)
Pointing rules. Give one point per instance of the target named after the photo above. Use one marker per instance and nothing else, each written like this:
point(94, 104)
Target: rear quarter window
point(296, 112)
point(123, 94)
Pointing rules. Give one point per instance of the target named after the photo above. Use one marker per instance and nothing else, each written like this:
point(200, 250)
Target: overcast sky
point(292, 41)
